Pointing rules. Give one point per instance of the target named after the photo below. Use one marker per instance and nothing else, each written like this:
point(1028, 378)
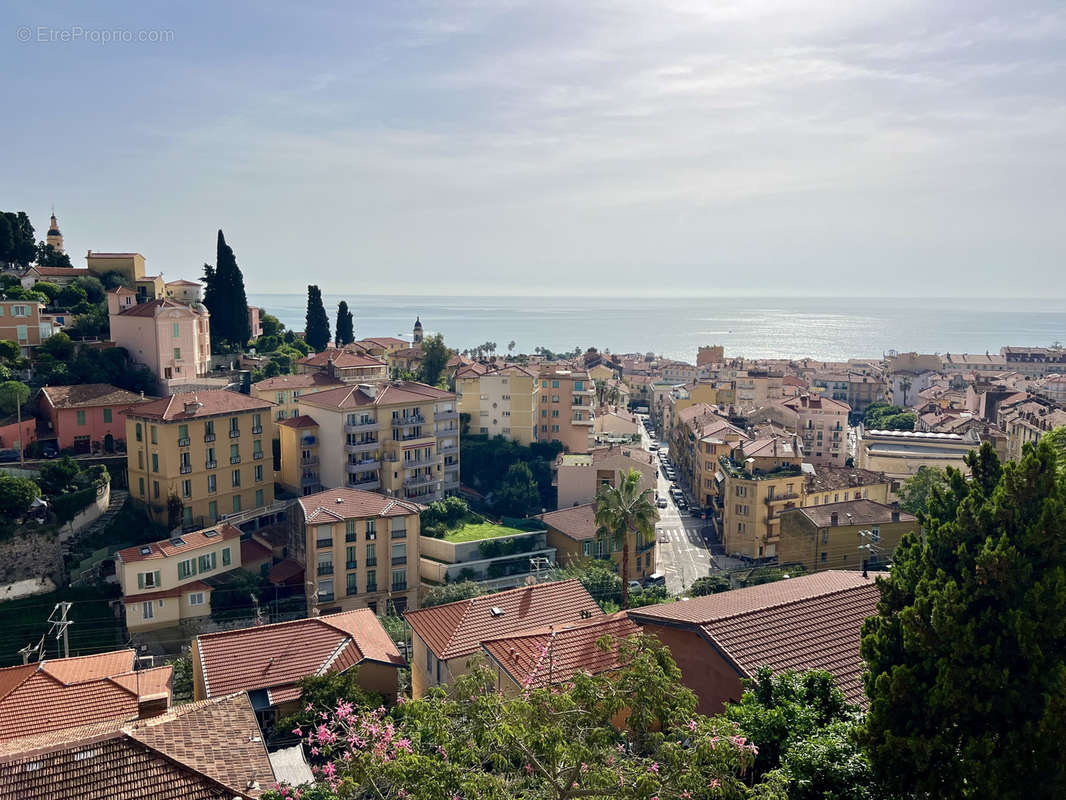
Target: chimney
point(369, 389)
point(194, 405)
point(895, 516)
point(834, 519)
point(152, 705)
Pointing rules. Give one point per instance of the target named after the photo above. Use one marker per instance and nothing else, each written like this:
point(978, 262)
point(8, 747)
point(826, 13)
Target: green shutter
point(140, 580)
point(156, 573)
point(225, 556)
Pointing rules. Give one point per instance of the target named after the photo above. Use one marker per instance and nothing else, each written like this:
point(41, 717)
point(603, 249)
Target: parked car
point(49, 449)
point(655, 579)
point(653, 447)
point(635, 586)
point(661, 502)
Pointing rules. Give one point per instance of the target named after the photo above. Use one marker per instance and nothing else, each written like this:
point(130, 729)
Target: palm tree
point(905, 385)
point(623, 510)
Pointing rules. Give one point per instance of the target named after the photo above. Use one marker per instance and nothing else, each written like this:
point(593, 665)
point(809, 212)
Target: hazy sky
point(675, 146)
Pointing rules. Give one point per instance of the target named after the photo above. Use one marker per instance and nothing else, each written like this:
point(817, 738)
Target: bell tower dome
point(417, 334)
point(54, 238)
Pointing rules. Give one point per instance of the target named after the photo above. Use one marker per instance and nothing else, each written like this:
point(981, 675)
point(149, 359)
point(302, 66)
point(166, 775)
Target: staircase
point(118, 499)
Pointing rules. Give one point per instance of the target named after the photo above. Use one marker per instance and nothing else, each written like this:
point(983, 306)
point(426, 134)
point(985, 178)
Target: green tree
point(450, 592)
point(435, 357)
point(709, 584)
point(18, 244)
point(225, 298)
point(93, 287)
point(325, 692)
point(316, 328)
point(114, 279)
point(966, 658)
point(58, 346)
point(916, 493)
point(48, 289)
point(517, 495)
point(345, 327)
point(182, 681)
point(884, 417)
point(48, 256)
point(56, 476)
point(624, 510)
point(16, 494)
point(13, 394)
point(70, 296)
point(270, 324)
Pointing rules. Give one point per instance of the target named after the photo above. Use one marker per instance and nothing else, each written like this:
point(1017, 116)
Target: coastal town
point(211, 522)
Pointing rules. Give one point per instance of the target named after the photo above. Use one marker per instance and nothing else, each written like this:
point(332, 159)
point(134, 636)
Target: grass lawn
point(95, 627)
point(472, 531)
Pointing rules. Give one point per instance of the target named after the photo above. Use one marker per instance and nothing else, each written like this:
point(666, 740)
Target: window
point(371, 580)
point(257, 448)
point(234, 427)
point(236, 478)
point(137, 431)
point(371, 529)
point(399, 553)
point(555, 412)
point(399, 527)
point(579, 386)
point(177, 354)
point(183, 436)
point(351, 587)
point(186, 569)
point(186, 488)
point(349, 557)
point(349, 530)
point(555, 398)
point(544, 412)
point(148, 580)
point(875, 533)
point(212, 509)
point(259, 497)
point(22, 333)
point(235, 454)
point(555, 428)
point(81, 417)
point(555, 385)
point(207, 562)
point(586, 548)
point(371, 554)
point(209, 430)
point(155, 435)
point(155, 488)
point(212, 483)
point(155, 462)
point(186, 517)
point(141, 482)
point(399, 579)
point(823, 555)
point(196, 599)
point(146, 611)
point(236, 503)
point(825, 535)
point(140, 460)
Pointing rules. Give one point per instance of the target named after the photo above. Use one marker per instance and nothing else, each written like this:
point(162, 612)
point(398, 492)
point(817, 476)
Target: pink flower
point(297, 732)
point(654, 767)
point(329, 770)
point(692, 725)
point(529, 768)
point(713, 784)
point(621, 748)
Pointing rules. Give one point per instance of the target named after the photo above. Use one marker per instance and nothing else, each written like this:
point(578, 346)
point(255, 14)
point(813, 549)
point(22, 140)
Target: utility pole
point(63, 624)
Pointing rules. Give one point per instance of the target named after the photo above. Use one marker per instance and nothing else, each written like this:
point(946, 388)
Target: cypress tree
point(966, 659)
point(237, 328)
point(345, 328)
point(316, 330)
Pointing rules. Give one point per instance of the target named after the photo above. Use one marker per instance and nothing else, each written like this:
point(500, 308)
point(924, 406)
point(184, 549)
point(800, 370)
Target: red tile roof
point(90, 394)
point(387, 393)
point(212, 402)
point(208, 749)
point(457, 629)
point(276, 656)
point(61, 272)
point(55, 694)
point(334, 505)
point(853, 512)
point(578, 522)
point(152, 307)
point(554, 654)
point(810, 622)
point(384, 341)
point(168, 548)
point(252, 551)
point(341, 359)
point(302, 421)
point(285, 570)
point(304, 381)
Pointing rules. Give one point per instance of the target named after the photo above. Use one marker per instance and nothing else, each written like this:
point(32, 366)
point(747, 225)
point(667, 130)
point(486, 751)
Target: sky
point(677, 147)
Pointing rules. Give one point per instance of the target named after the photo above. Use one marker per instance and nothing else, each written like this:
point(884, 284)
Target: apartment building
point(575, 537)
point(300, 462)
point(132, 267)
point(172, 339)
point(757, 387)
point(1026, 422)
point(399, 438)
point(204, 448)
point(566, 407)
point(501, 401)
point(284, 391)
point(360, 550)
point(899, 454)
point(344, 365)
point(699, 439)
point(579, 476)
point(183, 291)
point(855, 534)
point(821, 423)
point(1034, 362)
point(26, 323)
point(88, 416)
point(163, 582)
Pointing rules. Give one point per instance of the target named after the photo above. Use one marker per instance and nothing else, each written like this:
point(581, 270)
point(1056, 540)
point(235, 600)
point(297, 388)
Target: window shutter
point(140, 580)
point(157, 578)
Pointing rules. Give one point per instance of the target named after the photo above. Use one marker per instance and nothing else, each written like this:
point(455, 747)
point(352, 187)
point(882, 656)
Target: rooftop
point(302, 421)
point(334, 505)
point(180, 545)
point(826, 478)
point(475, 531)
point(90, 394)
point(342, 359)
point(307, 380)
point(577, 522)
point(396, 392)
point(456, 630)
point(852, 512)
point(197, 405)
point(152, 307)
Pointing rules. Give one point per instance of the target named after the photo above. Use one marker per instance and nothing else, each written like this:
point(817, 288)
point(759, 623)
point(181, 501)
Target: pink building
point(820, 422)
point(88, 417)
point(14, 437)
point(254, 322)
point(172, 339)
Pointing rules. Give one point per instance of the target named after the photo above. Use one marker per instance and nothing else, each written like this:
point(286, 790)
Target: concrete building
point(361, 550)
point(701, 438)
point(1025, 422)
point(579, 476)
point(399, 438)
point(26, 323)
point(132, 267)
point(566, 407)
point(87, 417)
point(757, 387)
point(820, 422)
point(343, 365)
point(847, 535)
point(710, 354)
point(284, 391)
point(182, 291)
point(496, 561)
point(899, 454)
point(178, 446)
point(501, 401)
point(1034, 362)
point(573, 534)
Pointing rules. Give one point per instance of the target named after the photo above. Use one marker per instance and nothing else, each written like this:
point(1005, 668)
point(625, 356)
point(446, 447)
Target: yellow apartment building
point(500, 401)
point(399, 438)
point(566, 407)
point(300, 459)
point(210, 449)
point(163, 582)
point(699, 439)
point(284, 391)
point(132, 266)
point(572, 532)
point(360, 550)
point(846, 535)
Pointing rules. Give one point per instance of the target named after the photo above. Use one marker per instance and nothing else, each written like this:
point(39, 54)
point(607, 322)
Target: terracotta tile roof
point(817, 401)
point(61, 272)
point(252, 551)
point(169, 548)
point(213, 402)
point(56, 694)
point(208, 749)
point(344, 503)
point(387, 393)
point(152, 307)
point(770, 446)
point(276, 656)
point(408, 352)
point(285, 570)
point(304, 381)
point(177, 591)
point(554, 654)
point(454, 630)
point(383, 341)
point(302, 421)
point(853, 512)
point(341, 359)
point(577, 523)
point(90, 394)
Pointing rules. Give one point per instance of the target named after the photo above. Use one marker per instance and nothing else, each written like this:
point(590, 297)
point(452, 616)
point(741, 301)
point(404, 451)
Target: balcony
point(362, 447)
point(778, 497)
point(407, 422)
point(306, 461)
point(399, 586)
point(439, 416)
point(366, 486)
point(371, 587)
point(183, 442)
point(371, 562)
point(352, 590)
point(449, 449)
point(366, 465)
point(351, 564)
point(360, 427)
point(234, 433)
point(210, 464)
point(185, 469)
point(235, 459)
point(256, 429)
point(209, 437)
point(321, 543)
point(398, 561)
point(257, 455)
point(407, 437)
point(588, 421)
point(411, 463)
point(421, 480)
point(585, 392)
point(325, 597)
point(308, 480)
point(325, 569)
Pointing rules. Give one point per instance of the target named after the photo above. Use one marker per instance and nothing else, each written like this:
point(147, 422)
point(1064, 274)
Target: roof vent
point(339, 500)
point(146, 550)
point(211, 533)
point(496, 611)
point(369, 389)
point(177, 541)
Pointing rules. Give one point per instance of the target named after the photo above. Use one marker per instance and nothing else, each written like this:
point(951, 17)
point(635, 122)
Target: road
point(681, 552)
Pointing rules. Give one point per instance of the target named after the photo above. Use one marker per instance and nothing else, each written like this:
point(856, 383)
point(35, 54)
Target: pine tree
point(345, 327)
point(967, 656)
point(316, 330)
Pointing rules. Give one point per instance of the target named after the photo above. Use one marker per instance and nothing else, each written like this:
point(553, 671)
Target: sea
point(825, 329)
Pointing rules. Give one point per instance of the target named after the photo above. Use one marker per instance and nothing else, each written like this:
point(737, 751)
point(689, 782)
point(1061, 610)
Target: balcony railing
point(351, 564)
point(183, 442)
point(352, 590)
point(399, 534)
point(399, 586)
point(361, 447)
point(359, 427)
point(364, 466)
point(587, 421)
point(407, 437)
point(325, 597)
point(324, 542)
point(446, 449)
point(421, 480)
point(350, 536)
point(410, 463)
point(406, 422)
point(308, 480)
point(210, 464)
point(306, 461)
point(371, 587)
point(185, 469)
point(786, 496)
point(325, 569)
point(257, 429)
point(443, 415)
point(366, 486)
point(209, 437)
point(235, 459)
point(257, 455)
point(234, 433)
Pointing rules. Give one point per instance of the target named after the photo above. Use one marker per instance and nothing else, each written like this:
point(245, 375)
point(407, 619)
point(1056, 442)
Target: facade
point(60, 276)
point(204, 448)
point(345, 366)
point(132, 267)
point(820, 422)
point(172, 339)
point(87, 417)
point(500, 401)
point(757, 387)
point(361, 548)
point(399, 438)
point(848, 535)
point(699, 438)
point(500, 562)
point(1034, 362)
point(710, 354)
point(1025, 422)
point(566, 408)
point(162, 582)
point(445, 638)
point(899, 454)
point(573, 534)
point(284, 391)
point(183, 291)
point(26, 323)
point(300, 459)
point(809, 622)
point(258, 660)
point(578, 476)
